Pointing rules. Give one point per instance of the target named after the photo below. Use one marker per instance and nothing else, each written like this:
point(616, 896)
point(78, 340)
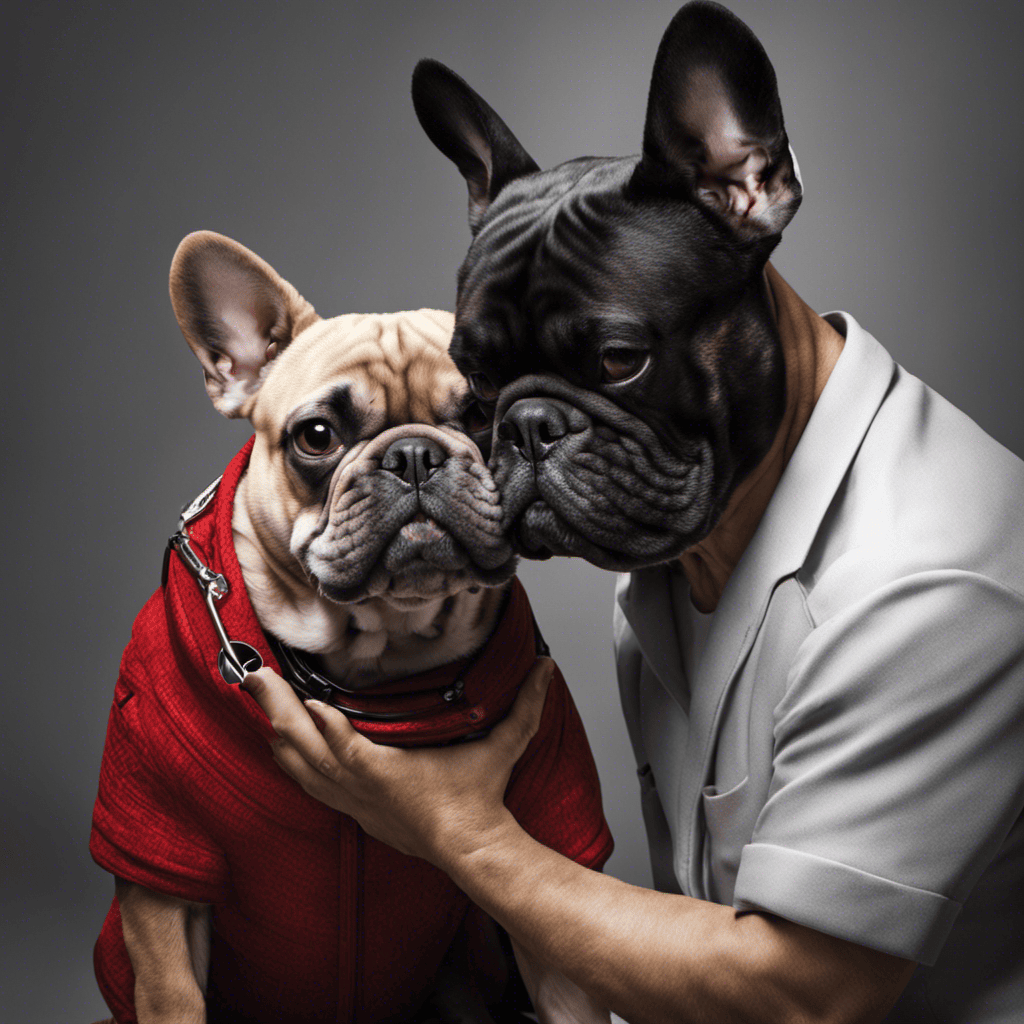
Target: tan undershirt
point(810, 349)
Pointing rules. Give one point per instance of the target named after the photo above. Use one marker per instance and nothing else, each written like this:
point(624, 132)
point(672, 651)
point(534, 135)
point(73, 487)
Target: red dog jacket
point(313, 920)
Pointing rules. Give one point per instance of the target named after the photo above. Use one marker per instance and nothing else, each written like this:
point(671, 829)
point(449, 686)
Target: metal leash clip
point(236, 657)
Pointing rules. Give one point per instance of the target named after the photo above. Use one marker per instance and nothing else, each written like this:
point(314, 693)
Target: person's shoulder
point(924, 429)
point(927, 491)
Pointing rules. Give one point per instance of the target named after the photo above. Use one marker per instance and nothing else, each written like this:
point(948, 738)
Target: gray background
point(289, 127)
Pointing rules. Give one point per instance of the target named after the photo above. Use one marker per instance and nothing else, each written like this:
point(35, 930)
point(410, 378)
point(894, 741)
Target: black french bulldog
point(612, 316)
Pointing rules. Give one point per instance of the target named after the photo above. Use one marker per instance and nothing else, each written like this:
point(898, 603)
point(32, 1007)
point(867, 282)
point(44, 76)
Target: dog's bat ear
point(469, 133)
point(236, 312)
point(714, 128)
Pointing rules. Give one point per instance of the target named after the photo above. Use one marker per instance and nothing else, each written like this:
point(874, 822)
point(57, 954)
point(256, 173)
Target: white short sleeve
point(898, 769)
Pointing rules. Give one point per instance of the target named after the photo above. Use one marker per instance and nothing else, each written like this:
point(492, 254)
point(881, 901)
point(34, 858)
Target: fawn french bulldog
point(355, 545)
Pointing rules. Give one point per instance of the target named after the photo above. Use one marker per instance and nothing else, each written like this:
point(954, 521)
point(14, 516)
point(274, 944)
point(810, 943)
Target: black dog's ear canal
point(714, 128)
point(469, 133)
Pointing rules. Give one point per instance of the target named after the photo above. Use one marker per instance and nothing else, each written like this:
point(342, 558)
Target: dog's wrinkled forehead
point(493, 322)
point(388, 369)
point(567, 258)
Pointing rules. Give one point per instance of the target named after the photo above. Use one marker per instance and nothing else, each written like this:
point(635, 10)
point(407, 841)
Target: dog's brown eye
point(482, 388)
point(316, 437)
point(619, 364)
point(477, 417)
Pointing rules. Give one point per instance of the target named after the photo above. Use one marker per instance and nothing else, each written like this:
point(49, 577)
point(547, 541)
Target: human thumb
point(517, 729)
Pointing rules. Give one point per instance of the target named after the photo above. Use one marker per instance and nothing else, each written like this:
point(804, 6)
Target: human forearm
point(556, 999)
point(655, 957)
point(643, 954)
point(649, 956)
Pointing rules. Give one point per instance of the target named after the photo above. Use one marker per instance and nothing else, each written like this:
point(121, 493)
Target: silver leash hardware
point(236, 658)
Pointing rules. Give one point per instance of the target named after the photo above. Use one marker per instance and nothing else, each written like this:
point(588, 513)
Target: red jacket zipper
point(350, 883)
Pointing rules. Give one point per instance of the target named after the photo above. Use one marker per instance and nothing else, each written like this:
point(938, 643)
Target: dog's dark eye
point(482, 388)
point(477, 418)
point(619, 364)
point(316, 437)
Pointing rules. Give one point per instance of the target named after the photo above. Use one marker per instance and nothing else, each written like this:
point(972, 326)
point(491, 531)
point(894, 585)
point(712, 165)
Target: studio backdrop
point(289, 127)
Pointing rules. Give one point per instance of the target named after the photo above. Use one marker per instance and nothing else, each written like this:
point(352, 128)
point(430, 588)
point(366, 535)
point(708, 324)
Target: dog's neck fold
point(358, 645)
point(810, 348)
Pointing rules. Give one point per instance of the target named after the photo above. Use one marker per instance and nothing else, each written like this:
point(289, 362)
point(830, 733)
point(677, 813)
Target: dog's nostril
point(546, 434)
point(534, 425)
point(394, 462)
point(508, 431)
point(414, 459)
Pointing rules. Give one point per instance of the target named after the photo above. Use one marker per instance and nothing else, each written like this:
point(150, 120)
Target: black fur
point(645, 254)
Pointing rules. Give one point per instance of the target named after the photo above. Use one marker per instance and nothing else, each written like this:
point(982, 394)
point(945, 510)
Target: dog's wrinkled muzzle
point(411, 513)
point(579, 475)
point(371, 453)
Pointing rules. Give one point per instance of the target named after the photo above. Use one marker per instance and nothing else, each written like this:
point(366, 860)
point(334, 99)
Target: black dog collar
point(375, 704)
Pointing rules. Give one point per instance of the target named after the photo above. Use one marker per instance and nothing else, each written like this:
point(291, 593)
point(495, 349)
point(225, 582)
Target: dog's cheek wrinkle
point(595, 514)
point(483, 475)
point(666, 500)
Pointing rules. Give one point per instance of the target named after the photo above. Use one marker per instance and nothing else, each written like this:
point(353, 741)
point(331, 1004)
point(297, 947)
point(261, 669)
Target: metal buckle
point(236, 658)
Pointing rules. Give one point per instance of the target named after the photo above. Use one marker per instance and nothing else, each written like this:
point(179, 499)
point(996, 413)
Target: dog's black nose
point(414, 459)
point(534, 426)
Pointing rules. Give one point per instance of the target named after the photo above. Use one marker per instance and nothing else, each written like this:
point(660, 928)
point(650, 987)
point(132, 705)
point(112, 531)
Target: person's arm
point(648, 956)
point(556, 999)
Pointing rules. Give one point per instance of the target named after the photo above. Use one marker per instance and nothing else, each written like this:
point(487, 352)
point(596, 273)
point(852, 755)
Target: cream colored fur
point(275, 353)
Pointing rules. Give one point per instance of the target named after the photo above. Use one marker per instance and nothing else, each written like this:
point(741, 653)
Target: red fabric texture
point(313, 919)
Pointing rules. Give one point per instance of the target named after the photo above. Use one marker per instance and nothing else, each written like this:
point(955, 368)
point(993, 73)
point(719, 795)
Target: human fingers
point(327, 786)
point(514, 732)
point(290, 720)
point(361, 779)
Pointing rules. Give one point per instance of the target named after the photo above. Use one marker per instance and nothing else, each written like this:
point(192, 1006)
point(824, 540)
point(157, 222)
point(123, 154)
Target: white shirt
point(692, 625)
point(849, 751)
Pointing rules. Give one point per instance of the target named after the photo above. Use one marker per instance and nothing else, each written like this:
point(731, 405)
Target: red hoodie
point(313, 920)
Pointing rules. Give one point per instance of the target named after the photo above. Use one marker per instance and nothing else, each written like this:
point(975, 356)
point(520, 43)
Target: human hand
point(438, 803)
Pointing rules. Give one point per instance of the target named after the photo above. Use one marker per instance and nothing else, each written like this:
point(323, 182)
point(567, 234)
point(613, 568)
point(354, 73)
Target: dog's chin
point(540, 533)
point(422, 562)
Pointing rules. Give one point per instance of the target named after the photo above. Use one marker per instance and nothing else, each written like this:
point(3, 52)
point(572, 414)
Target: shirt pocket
point(729, 820)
